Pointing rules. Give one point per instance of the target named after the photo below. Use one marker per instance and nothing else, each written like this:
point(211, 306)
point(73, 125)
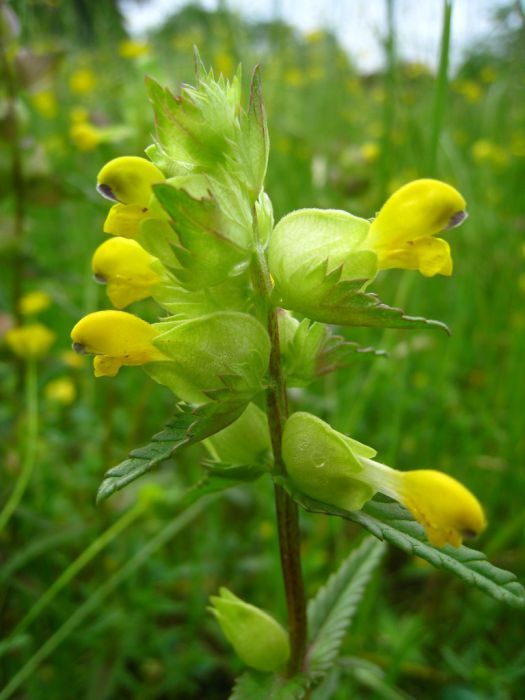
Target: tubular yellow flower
point(82, 81)
point(126, 268)
point(85, 136)
point(128, 180)
point(31, 342)
point(333, 468)
point(402, 233)
point(133, 49)
point(116, 338)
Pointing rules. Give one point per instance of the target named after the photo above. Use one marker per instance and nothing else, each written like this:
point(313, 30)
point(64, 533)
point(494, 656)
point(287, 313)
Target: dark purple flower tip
point(456, 219)
point(79, 348)
point(100, 279)
point(106, 192)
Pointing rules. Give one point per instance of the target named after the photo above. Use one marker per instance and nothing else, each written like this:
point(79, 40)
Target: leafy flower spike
point(128, 180)
point(402, 234)
point(331, 467)
point(127, 269)
point(257, 638)
point(116, 338)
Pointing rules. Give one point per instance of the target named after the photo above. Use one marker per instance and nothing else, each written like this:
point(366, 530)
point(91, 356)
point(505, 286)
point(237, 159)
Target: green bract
point(226, 350)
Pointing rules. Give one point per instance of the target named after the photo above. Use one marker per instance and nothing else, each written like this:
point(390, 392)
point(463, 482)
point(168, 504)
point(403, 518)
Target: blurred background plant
point(342, 136)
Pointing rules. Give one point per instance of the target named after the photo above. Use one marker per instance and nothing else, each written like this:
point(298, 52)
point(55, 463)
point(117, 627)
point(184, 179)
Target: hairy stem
point(286, 510)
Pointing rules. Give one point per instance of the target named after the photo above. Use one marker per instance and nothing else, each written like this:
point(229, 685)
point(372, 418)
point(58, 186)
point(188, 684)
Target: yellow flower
point(61, 390)
point(116, 338)
point(85, 136)
point(82, 81)
point(224, 64)
point(128, 180)
point(45, 103)
point(331, 467)
point(34, 302)
point(31, 342)
point(133, 49)
point(470, 90)
point(126, 268)
point(370, 152)
point(402, 235)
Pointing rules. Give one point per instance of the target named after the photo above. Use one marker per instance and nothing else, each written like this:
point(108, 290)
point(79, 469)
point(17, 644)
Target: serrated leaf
point(314, 351)
point(331, 611)
point(262, 686)
point(342, 302)
point(391, 522)
point(208, 253)
point(187, 427)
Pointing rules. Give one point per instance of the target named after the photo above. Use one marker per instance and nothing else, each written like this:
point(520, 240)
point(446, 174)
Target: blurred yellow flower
point(224, 64)
point(30, 342)
point(469, 89)
point(34, 302)
point(82, 81)
point(133, 49)
point(370, 152)
point(315, 36)
point(79, 114)
point(45, 103)
point(484, 151)
point(72, 359)
point(294, 77)
point(488, 74)
point(61, 390)
point(85, 136)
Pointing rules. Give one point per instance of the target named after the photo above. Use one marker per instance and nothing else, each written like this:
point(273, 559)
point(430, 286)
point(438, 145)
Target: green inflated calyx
point(258, 640)
point(323, 463)
point(246, 440)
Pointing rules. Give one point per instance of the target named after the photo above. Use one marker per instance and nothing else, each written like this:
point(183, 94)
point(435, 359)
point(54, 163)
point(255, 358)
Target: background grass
point(338, 139)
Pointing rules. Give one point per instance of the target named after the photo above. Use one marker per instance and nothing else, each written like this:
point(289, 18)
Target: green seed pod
point(259, 641)
point(323, 463)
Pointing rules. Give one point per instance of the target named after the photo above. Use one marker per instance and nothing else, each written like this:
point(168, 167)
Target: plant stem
point(286, 509)
point(30, 442)
point(440, 95)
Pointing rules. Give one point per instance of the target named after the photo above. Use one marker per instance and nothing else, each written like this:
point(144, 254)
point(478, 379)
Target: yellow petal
point(125, 219)
point(126, 268)
point(447, 510)
point(419, 209)
point(128, 180)
point(431, 256)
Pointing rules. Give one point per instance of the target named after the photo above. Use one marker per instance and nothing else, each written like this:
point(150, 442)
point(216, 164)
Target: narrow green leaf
point(187, 427)
point(261, 686)
point(391, 522)
point(331, 611)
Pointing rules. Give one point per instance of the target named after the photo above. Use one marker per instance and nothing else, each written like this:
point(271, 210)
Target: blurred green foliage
point(339, 139)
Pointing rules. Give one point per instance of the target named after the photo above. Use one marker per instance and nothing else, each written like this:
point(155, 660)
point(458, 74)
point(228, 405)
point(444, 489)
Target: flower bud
point(129, 180)
point(127, 269)
point(116, 338)
point(401, 234)
point(258, 640)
